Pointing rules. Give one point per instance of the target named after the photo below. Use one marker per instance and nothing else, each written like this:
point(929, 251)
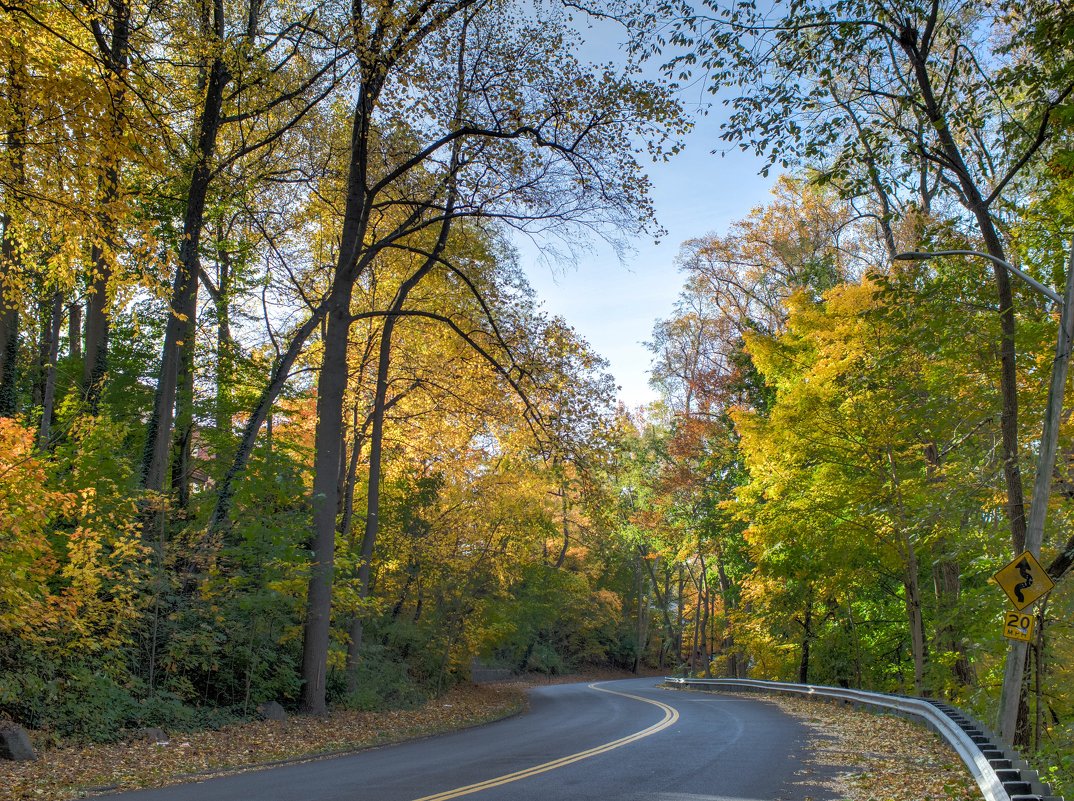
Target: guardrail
point(1001, 774)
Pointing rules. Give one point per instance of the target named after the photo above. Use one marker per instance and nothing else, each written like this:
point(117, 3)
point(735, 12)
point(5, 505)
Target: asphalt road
point(624, 740)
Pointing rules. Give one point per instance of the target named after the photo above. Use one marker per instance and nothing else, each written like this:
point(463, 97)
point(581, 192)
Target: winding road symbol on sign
point(1024, 580)
point(1026, 573)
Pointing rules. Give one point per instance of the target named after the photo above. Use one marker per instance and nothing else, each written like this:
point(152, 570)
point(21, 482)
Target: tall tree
point(540, 147)
point(895, 66)
point(257, 104)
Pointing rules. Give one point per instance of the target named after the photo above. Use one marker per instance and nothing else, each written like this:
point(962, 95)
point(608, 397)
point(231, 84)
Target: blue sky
point(614, 305)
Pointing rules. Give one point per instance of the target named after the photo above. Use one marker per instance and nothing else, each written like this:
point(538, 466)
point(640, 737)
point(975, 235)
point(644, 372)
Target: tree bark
point(114, 50)
point(10, 260)
point(331, 386)
point(9, 344)
point(947, 579)
point(912, 588)
point(177, 356)
point(51, 354)
point(728, 642)
point(74, 330)
point(225, 346)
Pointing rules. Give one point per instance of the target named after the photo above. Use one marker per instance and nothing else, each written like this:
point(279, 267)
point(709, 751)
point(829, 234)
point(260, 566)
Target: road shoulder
point(74, 772)
point(866, 756)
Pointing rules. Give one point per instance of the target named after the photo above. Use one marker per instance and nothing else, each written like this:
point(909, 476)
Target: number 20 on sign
point(1018, 626)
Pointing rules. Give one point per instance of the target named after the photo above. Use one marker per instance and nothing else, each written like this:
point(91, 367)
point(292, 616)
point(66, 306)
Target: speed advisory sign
point(1018, 626)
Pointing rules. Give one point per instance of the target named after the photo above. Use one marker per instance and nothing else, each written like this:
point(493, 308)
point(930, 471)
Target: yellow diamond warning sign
point(1018, 626)
point(1024, 580)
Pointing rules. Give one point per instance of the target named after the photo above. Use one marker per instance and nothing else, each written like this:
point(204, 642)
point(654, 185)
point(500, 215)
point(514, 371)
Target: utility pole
point(1042, 485)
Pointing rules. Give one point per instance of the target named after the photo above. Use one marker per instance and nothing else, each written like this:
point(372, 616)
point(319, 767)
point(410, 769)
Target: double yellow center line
point(670, 716)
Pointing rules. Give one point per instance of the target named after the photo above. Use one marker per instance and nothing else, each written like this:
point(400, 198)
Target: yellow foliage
point(70, 555)
point(26, 508)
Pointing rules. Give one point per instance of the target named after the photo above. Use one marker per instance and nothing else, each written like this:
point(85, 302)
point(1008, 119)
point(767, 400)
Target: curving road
point(624, 740)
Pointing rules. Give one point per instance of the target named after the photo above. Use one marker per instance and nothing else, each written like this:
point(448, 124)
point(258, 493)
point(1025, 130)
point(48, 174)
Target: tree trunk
point(350, 480)
point(856, 640)
point(74, 330)
point(706, 652)
point(52, 352)
point(728, 641)
point(376, 438)
point(703, 600)
point(914, 617)
point(98, 303)
point(565, 517)
point(947, 579)
point(37, 387)
point(663, 600)
point(10, 259)
point(177, 357)
point(679, 625)
point(225, 351)
point(807, 638)
point(98, 326)
point(904, 545)
point(331, 386)
point(9, 346)
point(183, 436)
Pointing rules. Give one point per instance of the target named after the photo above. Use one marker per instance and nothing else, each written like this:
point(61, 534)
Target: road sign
point(1018, 626)
point(1024, 580)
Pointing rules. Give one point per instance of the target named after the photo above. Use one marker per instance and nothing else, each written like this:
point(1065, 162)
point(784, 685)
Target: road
point(625, 740)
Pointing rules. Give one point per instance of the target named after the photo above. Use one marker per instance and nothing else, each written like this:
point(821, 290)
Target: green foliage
point(233, 629)
point(385, 681)
point(551, 622)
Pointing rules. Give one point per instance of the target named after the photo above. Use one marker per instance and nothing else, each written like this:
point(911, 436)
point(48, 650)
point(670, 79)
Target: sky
point(614, 304)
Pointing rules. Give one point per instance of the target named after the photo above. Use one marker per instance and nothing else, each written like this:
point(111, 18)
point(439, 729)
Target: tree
point(539, 146)
point(907, 46)
point(856, 72)
point(258, 77)
point(843, 459)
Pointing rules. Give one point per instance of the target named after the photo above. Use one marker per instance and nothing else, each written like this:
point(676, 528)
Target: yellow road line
point(670, 716)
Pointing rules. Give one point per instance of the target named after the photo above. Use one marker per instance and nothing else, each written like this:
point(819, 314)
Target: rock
point(151, 734)
point(270, 710)
point(15, 743)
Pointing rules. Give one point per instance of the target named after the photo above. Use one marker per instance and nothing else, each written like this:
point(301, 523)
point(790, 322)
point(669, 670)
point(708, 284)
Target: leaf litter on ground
point(79, 771)
point(866, 756)
point(83, 771)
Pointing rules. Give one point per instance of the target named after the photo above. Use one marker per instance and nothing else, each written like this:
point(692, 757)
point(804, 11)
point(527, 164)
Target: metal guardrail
point(1000, 774)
